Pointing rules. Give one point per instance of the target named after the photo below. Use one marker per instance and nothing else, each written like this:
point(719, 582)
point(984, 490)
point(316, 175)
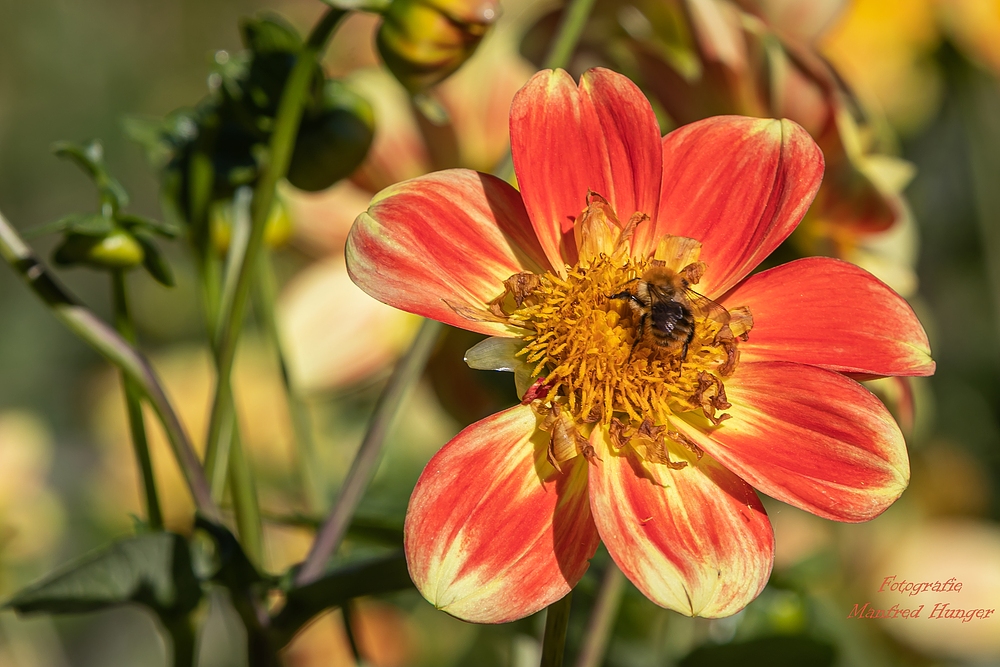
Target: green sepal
point(153, 260)
point(152, 569)
point(90, 158)
point(135, 223)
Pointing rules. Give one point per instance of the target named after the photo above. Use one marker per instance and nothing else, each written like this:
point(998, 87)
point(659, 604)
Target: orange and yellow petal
point(740, 186)
point(441, 246)
point(829, 313)
point(696, 540)
point(493, 533)
point(809, 437)
point(566, 141)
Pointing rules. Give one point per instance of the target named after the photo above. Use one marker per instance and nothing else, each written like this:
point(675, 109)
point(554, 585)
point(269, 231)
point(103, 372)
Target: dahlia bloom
point(648, 415)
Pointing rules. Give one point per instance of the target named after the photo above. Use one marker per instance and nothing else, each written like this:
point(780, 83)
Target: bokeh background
point(929, 70)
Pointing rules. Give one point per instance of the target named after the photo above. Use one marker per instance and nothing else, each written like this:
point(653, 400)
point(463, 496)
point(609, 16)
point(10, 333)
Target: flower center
point(623, 342)
point(611, 342)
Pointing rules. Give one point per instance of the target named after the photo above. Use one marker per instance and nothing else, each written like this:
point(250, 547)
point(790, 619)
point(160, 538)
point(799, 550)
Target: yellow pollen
point(585, 346)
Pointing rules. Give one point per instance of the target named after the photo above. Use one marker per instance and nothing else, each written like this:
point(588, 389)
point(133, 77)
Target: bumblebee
point(667, 309)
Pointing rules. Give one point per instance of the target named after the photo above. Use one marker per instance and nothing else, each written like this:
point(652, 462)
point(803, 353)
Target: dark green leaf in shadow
point(779, 651)
point(369, 577)
point(153, 570)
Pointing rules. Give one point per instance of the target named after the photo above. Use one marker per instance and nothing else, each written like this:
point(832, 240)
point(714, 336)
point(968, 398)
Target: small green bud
point(424, 41)
point(115, 250)
point(333, 141)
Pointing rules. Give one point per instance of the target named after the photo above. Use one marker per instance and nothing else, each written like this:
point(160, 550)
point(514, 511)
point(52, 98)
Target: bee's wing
point(704, 307)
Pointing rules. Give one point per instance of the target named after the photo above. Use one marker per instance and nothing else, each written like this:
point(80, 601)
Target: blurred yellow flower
point(188, 376)
point(31, 514)
point(965, 551)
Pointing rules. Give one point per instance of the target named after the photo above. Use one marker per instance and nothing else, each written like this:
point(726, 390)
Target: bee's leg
point(628, 296)
point(639, 334)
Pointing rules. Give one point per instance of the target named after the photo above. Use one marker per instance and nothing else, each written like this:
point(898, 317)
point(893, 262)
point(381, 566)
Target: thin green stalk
point(404, 377)
point(266, 297)
point(602, 618)
point(96, 333)
point(245, 503)
point(279, 156)
point(182, 638)
point(554, 640)
point(568, 33)
point(133, 403)
point(349, 616)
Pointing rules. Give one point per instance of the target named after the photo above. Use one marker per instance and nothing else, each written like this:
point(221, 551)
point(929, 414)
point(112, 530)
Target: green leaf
point(153, 259)
point(778, 651)
point(87, 224)
point(369, 577)
point(153, 570)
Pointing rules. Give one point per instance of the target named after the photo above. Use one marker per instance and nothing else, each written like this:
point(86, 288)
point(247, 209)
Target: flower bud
point(333, 141)
point(115, 250)
point(423, 41)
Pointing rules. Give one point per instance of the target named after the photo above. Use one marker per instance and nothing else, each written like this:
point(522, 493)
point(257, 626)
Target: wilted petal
point(809, 437)
point(825, 312)
point(566, 141)
point(492, 532)
point(740, 186)
point(695, 540)
point(443, 242)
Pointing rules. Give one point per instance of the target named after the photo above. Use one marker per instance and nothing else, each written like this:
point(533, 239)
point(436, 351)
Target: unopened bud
point(115, 250)
point(333, 141)
point(423, 41)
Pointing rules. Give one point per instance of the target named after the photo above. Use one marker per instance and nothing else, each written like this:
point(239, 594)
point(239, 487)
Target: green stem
point(123, 323)
point(568, 34)
point(602, 618)
point(182, 637)
point(404, 377)
point(245, 503)
point(348, 612)
point(266, 297)
point(96, 333)
point(279, 156)
point(554, 640)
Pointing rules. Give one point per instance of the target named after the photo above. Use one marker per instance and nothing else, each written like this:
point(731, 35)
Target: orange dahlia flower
point(652, 410)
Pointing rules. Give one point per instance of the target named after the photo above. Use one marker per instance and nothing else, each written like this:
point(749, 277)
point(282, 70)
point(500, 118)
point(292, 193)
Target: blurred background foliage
point(925, 72)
